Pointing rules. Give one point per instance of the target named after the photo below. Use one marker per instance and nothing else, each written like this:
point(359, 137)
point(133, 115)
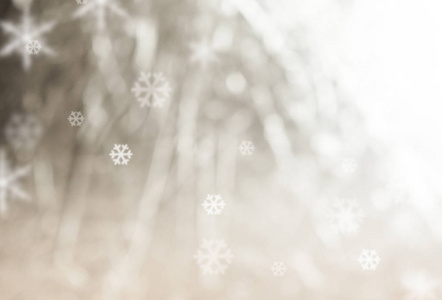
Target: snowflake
point(246, 148)
point(33, 47)
point(81, 1)
point(23, 131)
point(24, 33)
point(151, 89)
point(76, 118)
point(99, 8)
point(346, 216)
point(202, 53)
point(9, 184)
point(213, 257)
point(369, 259)
point(278, 268)
point(120, 154)
point(349, 165)
point(214, 204)
point(419, 286)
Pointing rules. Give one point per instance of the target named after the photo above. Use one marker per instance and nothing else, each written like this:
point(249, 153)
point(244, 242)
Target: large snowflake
point(23, 131)
point(202, 53)
point(246, 148)
point(151, 89)
point(99, 9)
point(120, 154)
point(369, 259)
point(213, 257)
point(24, 33)
point(346, 216)
point(278, 268)
point(213, 204)
point(9, 182)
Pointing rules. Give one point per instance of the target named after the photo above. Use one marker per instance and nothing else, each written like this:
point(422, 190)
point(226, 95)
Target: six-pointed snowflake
point(151, 89)
point(23, 131)
point(369, 259)
point(214, 204)
point(346, 216)
point(202, 53)
point(24, 33)
point(246, 148)
point(76, 118)
point(349, 165)
point(100, 8)
point(120, 154)
point(213, 257)
point(9, 182)
point(278, 268)
point(33, 47)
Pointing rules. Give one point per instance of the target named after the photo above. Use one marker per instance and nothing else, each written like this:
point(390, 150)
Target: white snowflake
point(349, 165)
point(33, 47)
point(151, 89)
point(9, 185)
point(100, 8)
point(346, 216)
point(120, 154)
point(81, 2)
point(24, 33)
point(246, 148)
point(213, 257)
point(278, 268)
point(369, 259)
point(420, 286)
point(23, 131)
point(76, 118)
point(202, 53)
point(214, 204)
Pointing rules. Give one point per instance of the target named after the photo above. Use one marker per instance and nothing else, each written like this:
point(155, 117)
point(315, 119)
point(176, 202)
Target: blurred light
point(397, 56)
point(236, 83)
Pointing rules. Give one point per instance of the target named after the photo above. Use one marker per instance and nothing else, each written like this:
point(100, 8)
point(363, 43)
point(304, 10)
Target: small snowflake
point(346, 216)
point(349, 166)
point(369, 259)
point(420, 286)
point(23, 131)
point(9, 185)
point(213, 257)
point(202, 53)
point(120, 154)
point(76, 118)
point(33, 47)
point(214, 204)
point(100, 9)
point(81, 2)
point(246, 148)
point(26, 39)
point(151, 89)
point(278, 268)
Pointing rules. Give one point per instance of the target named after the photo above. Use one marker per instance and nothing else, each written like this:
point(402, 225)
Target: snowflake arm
point(9, 182)
point(99, 8)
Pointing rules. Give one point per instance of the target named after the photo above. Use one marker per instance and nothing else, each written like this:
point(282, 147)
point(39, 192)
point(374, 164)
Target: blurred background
point(340, 100)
